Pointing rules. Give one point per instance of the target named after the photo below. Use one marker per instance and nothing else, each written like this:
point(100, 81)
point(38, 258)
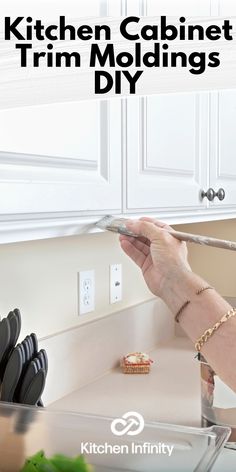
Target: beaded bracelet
point(210, 331)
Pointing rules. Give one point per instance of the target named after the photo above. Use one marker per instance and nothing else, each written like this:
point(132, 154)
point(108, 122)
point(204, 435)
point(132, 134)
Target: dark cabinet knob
point(220, 194)
point(211, 194)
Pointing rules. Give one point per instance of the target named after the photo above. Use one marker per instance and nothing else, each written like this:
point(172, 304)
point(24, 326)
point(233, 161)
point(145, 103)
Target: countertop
point(169, 394)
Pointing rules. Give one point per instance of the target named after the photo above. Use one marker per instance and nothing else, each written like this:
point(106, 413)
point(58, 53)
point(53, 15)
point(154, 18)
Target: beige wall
point(216, 265)
point(40, 277)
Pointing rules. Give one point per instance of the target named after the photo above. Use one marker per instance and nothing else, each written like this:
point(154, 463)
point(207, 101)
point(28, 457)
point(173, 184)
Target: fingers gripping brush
point(118, 225)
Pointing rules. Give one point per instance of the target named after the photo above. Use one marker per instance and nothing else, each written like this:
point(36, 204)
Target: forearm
point(163, 261)
point(201, 313)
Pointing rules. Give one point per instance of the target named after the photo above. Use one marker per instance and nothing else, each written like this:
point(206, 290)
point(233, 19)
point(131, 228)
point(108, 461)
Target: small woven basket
point(136, 363)
point(135, 368)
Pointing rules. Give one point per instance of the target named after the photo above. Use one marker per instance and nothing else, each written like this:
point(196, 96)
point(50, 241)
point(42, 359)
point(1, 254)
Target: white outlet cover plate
point(86, 291)
point(115, 283)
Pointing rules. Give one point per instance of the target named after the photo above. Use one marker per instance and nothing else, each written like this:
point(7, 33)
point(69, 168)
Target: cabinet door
point(223, 135)
point(167, 137)
point(167, 152)
point(60, 160)
point(223, 145)
point(60, 157)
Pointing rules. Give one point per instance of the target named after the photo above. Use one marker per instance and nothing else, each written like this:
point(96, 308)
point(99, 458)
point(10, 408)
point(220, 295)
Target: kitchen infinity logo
point(131, 424)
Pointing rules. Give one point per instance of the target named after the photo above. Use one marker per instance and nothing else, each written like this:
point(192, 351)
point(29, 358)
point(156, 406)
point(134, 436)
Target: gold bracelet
point(210, 331)
point(201, 290)
point(182, 308)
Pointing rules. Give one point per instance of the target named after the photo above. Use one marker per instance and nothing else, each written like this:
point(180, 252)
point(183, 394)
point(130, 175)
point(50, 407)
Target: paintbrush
point(118, 225)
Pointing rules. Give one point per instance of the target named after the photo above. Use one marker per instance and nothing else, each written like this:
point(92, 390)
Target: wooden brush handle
point(204, 240)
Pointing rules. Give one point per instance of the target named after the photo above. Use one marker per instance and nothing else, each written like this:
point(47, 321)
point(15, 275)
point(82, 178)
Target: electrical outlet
point(86, 291)
point(115, 283)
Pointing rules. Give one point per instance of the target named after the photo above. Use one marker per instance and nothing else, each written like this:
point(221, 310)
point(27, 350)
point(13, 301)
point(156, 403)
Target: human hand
point(160, 256)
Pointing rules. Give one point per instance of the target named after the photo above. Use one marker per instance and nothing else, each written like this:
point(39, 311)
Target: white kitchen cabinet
point(167, 138)
point(63, 165)
point(223, 146)
point(60, 163)
point(181, 145)
point(61, 158)
point(178, 146)
point(222, 132)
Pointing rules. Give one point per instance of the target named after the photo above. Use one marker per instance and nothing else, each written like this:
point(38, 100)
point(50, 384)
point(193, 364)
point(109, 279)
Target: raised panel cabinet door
point(167, 152)
point(223, 147)
point(223, 131)
point(62, 157)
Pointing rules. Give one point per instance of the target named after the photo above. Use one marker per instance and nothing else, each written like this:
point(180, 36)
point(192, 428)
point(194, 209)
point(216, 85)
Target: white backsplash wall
point(40, 277)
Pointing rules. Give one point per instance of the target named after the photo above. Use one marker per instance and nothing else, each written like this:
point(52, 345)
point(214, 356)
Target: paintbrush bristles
point(116, 225)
